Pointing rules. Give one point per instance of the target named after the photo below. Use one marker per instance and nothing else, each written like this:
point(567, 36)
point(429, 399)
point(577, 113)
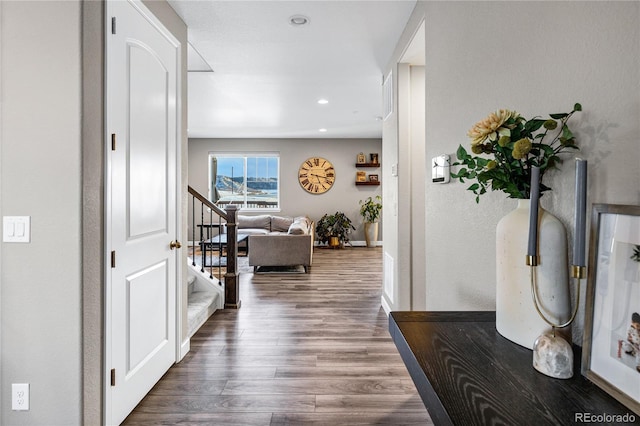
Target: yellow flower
point(504, 141)
point(489, 127)
point(521, 148)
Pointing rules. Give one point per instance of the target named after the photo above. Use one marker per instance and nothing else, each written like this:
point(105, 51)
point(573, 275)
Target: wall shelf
point(368, 183)
point(367, 164)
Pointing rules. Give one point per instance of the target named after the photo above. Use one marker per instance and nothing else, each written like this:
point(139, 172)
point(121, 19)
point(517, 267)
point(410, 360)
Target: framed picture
point(611, 346)
point(361, 158)
point(361, 177)
point(374, 157)
point(373, 178)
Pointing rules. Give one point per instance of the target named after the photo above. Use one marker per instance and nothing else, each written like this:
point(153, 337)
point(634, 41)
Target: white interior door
point(142, 113)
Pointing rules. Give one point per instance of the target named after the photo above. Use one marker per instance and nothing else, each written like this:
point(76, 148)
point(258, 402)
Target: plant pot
point(334, 242)
point(516, 316)
point(371, 233)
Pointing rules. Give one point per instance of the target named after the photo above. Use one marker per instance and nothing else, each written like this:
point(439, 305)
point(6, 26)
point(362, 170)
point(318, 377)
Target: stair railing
point(216, 220)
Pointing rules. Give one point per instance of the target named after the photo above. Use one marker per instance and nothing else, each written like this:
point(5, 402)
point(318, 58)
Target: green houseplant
point(370, 211)
point(334, 229)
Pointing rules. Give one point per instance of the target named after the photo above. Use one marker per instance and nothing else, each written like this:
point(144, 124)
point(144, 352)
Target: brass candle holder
point(552, 354)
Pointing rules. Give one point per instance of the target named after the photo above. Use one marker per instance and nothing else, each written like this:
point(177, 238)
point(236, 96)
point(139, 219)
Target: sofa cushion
point(280, 224)
point(261, 221)
point(253, 231)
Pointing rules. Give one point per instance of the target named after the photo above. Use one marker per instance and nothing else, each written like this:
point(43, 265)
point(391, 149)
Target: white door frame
point(108, 202)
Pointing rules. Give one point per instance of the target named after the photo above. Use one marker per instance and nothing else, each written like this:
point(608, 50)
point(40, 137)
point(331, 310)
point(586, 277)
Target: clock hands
point(318, 177)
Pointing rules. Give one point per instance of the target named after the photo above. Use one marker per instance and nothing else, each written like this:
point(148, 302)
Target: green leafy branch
point(516, 147)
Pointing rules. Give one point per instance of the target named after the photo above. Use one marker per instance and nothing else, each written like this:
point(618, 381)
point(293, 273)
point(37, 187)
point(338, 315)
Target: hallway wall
point(40, 176)
point(572, 52)
point(51, 168)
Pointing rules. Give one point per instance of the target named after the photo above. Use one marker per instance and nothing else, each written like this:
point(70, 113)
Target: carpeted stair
point(202, 303)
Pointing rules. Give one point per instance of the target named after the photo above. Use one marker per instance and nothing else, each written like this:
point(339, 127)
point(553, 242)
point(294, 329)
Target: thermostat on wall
point(440, 166)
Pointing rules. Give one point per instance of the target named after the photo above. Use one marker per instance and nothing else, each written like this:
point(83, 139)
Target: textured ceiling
point(268, 75)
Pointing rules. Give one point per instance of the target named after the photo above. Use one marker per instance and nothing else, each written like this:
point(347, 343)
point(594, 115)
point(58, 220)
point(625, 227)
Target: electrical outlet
point(20, 396)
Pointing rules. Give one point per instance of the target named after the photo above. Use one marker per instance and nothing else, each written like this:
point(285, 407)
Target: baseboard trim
point(364, 243)
point(185, 347)
point(385, 305)
point(358, 243)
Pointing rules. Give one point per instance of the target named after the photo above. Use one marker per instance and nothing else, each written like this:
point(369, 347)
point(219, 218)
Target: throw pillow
point(298, 228)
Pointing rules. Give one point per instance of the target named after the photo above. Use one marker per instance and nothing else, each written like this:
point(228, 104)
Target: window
point(248, 180)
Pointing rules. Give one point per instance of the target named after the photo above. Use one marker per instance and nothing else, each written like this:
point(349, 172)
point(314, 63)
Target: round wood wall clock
point(316, 175)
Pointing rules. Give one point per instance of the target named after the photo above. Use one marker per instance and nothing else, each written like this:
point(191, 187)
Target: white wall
point(40, 172)
point(343, 196)
point(536, 58)
point(51, 168)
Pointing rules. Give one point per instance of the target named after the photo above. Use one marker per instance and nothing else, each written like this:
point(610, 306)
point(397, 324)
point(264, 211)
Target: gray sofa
point(278, 241)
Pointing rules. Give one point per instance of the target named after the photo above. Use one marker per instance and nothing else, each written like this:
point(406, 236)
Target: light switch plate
point(16, 229)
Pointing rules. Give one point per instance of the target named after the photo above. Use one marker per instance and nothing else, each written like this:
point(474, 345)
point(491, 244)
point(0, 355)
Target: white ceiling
point(268, 75)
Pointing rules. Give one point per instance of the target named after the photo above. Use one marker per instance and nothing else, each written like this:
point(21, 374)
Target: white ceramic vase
point(516, 315)
point(371, 233)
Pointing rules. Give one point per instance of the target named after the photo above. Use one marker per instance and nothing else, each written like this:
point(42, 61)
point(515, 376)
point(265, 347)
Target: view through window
point(248, 180)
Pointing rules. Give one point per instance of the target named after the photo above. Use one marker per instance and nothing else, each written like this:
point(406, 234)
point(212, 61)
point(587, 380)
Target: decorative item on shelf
point(373, 178)
point(361, 159)
point(361, 176)
point(334, 229)
point(374, 157)
point(611, 342)
point(370, 211)
point(552, 354)
point(517, 146)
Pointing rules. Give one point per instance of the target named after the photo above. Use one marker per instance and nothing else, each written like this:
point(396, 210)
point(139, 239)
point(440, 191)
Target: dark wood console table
point(467, 374)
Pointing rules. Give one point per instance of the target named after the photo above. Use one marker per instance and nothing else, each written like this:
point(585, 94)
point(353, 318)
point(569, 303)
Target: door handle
point(174, 244)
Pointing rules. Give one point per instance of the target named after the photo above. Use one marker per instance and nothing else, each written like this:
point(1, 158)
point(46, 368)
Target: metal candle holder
point(553, 355)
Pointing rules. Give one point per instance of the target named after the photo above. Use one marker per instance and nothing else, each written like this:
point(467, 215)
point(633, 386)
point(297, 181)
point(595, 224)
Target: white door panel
point(142, 90)
point(147, 329)
point(148, 139)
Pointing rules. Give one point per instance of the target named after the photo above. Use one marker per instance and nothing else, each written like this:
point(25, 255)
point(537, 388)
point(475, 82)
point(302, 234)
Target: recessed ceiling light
point(323, 101)
point(322, 130)
point(298, 20)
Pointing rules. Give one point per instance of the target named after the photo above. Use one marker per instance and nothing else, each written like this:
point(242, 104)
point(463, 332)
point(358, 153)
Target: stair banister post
point(231, 282)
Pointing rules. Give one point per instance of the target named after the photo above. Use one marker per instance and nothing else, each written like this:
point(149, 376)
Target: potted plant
point(370, 211)
point(334, 229)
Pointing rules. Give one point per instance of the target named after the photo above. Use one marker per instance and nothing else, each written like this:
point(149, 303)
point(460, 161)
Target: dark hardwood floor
point(303, 349)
